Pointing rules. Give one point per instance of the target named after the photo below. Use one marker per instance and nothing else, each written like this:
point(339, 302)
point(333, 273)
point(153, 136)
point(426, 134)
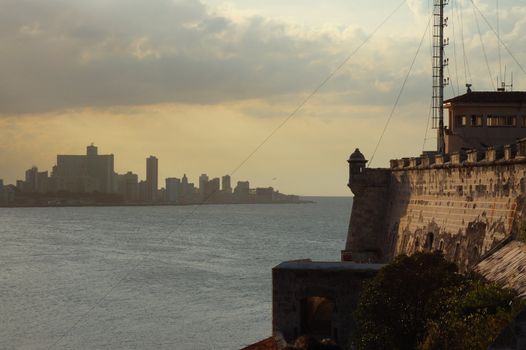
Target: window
point(475, 120)
point(501, 121)
point(461, 120)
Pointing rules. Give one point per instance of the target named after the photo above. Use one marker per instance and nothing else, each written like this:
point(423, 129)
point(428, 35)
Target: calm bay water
point(203, 284)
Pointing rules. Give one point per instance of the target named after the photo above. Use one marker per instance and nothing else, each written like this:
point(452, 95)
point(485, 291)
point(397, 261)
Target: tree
point(421, 302)
point(473, 316)
point(397, 304)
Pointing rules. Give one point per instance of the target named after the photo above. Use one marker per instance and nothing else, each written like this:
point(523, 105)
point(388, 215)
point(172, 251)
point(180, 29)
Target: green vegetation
point(421, 302)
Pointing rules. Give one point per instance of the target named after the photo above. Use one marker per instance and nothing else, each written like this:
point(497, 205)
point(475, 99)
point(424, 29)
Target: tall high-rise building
point(226, 185)
point(203, 180)
point(152, 178)
point(30, 184)
point(85, 173)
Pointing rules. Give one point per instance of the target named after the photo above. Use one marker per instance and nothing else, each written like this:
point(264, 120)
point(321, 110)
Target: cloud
point(59, 54)
point(70, 54)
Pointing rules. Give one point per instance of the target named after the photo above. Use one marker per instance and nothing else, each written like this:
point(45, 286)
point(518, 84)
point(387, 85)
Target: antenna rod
point(438, 72)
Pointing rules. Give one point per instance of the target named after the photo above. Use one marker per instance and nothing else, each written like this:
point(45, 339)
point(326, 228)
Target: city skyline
point(208, 81)
point(152, 165)
point(91, 179)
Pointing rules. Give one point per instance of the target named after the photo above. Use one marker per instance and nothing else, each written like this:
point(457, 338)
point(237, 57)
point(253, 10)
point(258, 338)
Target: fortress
point(468, 202)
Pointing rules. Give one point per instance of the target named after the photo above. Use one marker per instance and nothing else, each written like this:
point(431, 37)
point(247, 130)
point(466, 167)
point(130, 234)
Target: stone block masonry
point(463, 204)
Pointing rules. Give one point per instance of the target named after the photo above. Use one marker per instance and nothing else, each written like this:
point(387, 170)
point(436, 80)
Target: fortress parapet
point(512, 153)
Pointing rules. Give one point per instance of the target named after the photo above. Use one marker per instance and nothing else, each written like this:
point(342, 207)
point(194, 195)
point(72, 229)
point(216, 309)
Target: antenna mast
point(439, 22)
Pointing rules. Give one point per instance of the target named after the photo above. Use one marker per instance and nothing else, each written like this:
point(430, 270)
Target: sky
point(202, 84)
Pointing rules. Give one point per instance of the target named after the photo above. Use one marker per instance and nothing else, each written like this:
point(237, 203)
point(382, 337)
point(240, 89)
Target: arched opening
point(316, 317)
point(417, 245)
point(441, 245)
point(429, 241)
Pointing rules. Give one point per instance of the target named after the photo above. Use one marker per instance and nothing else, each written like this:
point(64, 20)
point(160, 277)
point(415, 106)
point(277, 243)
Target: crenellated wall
point(463, 204)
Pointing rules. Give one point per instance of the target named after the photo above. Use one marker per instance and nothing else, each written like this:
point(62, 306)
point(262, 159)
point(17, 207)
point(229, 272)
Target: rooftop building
point(479, 119)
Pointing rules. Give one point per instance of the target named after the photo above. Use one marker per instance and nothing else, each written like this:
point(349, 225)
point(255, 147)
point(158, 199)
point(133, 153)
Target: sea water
point(187, 277)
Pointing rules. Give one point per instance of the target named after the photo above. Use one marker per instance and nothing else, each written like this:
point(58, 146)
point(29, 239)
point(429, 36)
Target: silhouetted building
point(6, 194)
point(203, 180)
point(30, 184)
point(242, 192)
point(143, 191)
point(89, 173)
point(128, 186)
point(264, 195)
point(174, 190)
point(20, 185)
point(42, 185)
point(152, 178)
point(226, 186)
point(212, 188)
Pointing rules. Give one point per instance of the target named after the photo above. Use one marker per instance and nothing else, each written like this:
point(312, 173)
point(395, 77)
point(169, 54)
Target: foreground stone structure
point(317, 298)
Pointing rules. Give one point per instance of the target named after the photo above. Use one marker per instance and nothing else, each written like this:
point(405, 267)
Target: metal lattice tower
point(439, 62)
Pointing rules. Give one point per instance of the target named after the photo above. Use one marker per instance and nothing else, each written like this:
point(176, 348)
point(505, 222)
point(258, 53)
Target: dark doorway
point(429, 241)
point(316, 317)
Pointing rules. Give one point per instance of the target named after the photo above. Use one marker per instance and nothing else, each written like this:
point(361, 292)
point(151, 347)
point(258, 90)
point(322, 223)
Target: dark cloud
point(59, 54)
point(62, 54)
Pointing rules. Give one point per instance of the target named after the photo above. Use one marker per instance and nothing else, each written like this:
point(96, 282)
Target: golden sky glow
point(202, 85)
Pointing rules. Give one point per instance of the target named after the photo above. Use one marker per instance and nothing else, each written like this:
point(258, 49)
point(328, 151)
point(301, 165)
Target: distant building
point(6, 194)
point(242, 192)
point(128, 186)
point(174, 190)
point(30, 184)
point(42, 185)
point(161, 195)
point(20, 184)
point(264, 195)
point(203, 180)
point(143, 191)
point(84, 174)
point(35, 181)
point(185, 190)
point(226, 186)
point(212, 189)
point(152, 178)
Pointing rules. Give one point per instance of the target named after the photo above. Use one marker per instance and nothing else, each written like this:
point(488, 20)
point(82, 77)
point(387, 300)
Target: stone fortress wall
point(466, 204)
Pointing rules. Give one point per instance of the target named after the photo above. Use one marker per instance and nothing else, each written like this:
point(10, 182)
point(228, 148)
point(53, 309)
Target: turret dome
point(357, 156)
